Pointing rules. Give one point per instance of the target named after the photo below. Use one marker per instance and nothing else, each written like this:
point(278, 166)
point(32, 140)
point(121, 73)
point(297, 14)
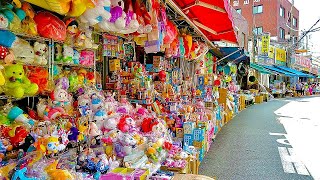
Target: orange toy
point(28, 24)
point(39, 76)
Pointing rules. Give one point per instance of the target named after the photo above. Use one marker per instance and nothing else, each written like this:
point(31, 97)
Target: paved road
point(244, 148)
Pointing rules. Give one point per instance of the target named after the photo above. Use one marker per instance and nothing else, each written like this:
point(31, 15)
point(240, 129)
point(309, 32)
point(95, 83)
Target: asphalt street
point(244, 148)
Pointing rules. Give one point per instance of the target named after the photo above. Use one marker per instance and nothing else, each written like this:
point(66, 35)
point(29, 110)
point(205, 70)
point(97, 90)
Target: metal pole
point(228, 55)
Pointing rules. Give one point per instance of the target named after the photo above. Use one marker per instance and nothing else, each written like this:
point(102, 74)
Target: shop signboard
point(281, 57)
point(303, 62)
point(265, 43)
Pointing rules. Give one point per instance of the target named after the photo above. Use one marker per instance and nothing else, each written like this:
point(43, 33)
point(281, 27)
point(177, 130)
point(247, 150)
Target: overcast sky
point(309, 13)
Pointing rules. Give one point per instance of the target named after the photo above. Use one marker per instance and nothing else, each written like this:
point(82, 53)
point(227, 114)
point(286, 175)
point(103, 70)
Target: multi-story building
point(278, 17)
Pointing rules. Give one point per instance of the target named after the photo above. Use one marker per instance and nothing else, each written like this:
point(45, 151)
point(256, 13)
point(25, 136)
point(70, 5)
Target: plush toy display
point(41, 53)
point(39, 76)
point(17, 84)
point(98, 14)
point(4, 22)
point(58, 52)
point(29, 26)
point(67, 54)
point(50, 26)
point(8, 39)
point(23, 51)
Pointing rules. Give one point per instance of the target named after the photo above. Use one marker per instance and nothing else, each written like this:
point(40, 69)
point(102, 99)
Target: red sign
point(302, 61)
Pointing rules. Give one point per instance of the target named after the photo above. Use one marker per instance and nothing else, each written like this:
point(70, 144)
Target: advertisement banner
point(281, 57)
point(302, 62)
point(271, 52)
point(265, 43)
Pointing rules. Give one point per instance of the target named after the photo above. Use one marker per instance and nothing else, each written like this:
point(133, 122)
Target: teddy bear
point(67, 54)
point(40, 53)
point(23, 51)
point(117, 20)
point(17, 83)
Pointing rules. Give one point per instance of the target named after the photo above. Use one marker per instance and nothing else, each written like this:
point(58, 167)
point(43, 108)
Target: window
point(282, 33)
point(246, 1)
point(257, 9)
point(295, 22)
point(235, 2)
point(258, 30)
point(282, 11)
point(238, 11)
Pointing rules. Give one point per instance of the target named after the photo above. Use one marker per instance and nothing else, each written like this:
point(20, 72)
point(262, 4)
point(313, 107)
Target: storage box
point(188, 127)
point(258, 99)
point(179, 132)
point(199, 144)
point(114, 65)
point(188, 139)
point(199, 134)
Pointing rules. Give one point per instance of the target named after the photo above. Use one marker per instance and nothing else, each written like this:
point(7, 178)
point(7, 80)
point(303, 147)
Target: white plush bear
point(67, 54)
point(41, 53)
point(23, 51)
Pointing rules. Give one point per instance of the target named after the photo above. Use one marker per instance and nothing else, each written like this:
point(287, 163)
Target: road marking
point(300, 167)
point(281, 141)
point(290, 162)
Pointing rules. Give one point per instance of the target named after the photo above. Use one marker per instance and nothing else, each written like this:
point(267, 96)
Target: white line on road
point(300, 167)
point(287, 166)
point(289, 161)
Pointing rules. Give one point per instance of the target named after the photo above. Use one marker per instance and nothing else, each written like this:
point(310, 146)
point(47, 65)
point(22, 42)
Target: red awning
point(213, 17)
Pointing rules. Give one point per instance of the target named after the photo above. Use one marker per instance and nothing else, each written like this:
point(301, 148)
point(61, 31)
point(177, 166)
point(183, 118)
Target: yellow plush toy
point(17, 84)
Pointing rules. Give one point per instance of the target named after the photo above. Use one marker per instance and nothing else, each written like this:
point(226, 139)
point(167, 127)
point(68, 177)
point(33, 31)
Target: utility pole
point(291, 49)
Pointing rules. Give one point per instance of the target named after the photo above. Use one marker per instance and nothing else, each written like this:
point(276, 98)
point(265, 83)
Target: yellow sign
point(281, 55)
point(265, 43)
point(271, 52)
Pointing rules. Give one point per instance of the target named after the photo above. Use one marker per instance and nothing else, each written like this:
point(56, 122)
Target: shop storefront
point(114, 89)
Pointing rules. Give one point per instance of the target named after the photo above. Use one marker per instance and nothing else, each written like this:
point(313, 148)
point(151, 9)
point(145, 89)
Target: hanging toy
point(50, 26)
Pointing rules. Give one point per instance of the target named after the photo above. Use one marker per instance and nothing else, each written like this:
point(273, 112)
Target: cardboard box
point(114, 65)
point(188, 127)
point(179, 132)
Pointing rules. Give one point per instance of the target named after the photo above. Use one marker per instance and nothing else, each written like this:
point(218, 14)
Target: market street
point(254, 146)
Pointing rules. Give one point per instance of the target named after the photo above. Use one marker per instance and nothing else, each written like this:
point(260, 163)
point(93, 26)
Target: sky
point(309, 13)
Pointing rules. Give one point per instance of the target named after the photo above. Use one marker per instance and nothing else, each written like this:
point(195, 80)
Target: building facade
point(278, 17)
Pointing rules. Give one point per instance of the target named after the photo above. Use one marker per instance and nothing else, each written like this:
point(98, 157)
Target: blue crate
point(198, 134)
point(188, 139)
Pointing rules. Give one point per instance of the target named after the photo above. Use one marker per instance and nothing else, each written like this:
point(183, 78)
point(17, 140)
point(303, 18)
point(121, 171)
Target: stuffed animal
point(58, 52)
point(4, 22)
point(23, 51)
point(29, 26)
point(8, 39)
point(15, 16)
point(117, 20)
point(39, 75)
point(41, 51)
point(17, 84)
point(98, 14)
point(76, 57)
point(67, 54)
point(60, 97)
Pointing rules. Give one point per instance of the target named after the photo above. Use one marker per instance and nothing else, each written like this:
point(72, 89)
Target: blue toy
point(20, 175)
point(7, 38)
